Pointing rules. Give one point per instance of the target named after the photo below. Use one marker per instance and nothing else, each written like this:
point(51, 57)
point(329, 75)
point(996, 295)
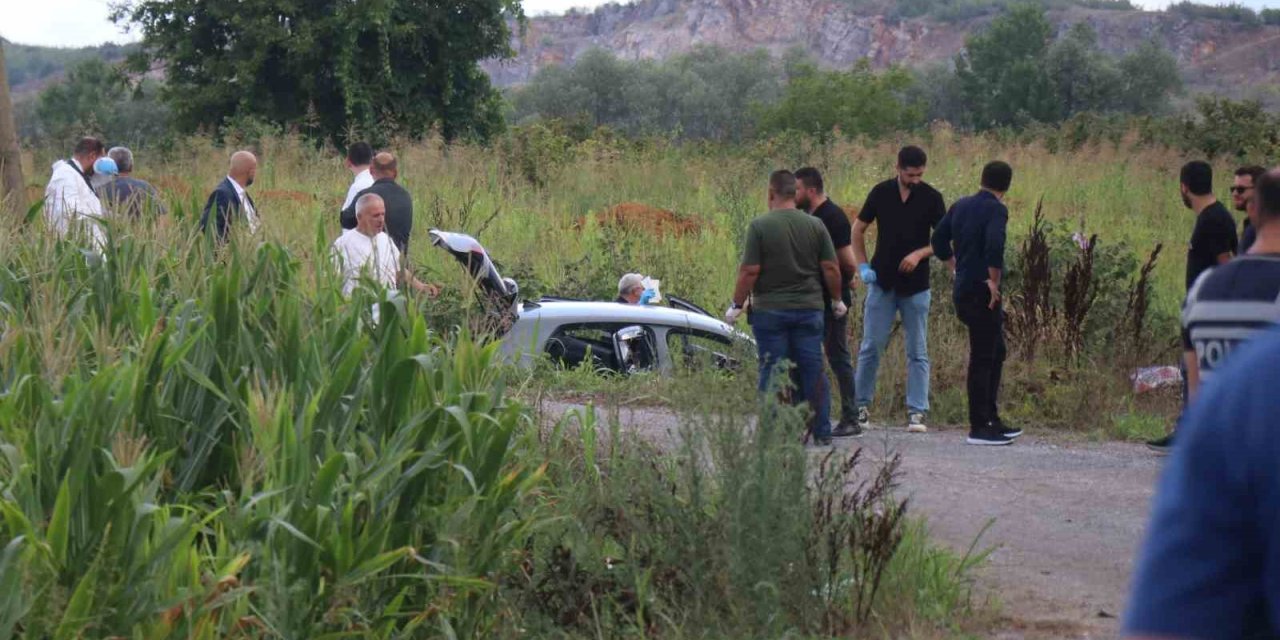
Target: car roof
point(565, 311)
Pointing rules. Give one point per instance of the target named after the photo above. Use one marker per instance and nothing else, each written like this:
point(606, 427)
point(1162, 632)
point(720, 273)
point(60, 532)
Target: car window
point(700, 350)
point(572, 344)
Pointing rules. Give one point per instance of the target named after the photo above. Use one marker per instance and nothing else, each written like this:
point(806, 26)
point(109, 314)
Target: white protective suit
point(70, 203)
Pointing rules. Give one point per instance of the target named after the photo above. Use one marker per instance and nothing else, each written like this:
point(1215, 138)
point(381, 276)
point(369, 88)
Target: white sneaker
point(915, 423)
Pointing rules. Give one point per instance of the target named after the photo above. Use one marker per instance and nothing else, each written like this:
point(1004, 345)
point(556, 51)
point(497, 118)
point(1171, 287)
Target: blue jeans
point(877, 322)
point(796, 335)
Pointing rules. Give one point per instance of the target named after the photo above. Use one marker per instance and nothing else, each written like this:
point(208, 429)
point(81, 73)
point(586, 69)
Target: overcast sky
point(73, 23)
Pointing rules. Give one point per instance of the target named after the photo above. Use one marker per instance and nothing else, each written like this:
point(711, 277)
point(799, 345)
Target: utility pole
point(13, 195)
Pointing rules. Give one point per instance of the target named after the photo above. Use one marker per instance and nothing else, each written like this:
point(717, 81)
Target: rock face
point(836, 33)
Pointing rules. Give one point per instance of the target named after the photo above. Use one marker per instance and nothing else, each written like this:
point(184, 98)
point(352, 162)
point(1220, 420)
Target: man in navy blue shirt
point(971, 237)
point(1210, 567)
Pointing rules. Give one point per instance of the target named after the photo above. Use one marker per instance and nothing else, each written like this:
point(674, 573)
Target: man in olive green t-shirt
point(787, 261)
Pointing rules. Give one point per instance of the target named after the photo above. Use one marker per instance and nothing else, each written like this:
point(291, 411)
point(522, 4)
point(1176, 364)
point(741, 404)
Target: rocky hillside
point(1215, 55)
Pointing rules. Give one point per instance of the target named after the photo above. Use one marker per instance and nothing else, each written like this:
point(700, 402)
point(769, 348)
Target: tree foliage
point(100, 98)
point(854, 102)
point(704, 94)
point(330, 67)
point(1015, 74)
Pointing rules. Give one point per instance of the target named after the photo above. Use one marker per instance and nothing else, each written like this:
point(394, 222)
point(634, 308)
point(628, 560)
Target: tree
point(1002, 71)
point(13, 194)
point(82, 102)
point(1148, 76)
point(328, 67)
point(854, 102)
point(1085, 78)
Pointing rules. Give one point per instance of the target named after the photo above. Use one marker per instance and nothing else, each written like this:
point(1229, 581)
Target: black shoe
point(988, 437)
point(1006, 430)
point(847, 430)
point(1162, 446)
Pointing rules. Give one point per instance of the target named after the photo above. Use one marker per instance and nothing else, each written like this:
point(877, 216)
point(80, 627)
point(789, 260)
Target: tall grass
point(210, 442)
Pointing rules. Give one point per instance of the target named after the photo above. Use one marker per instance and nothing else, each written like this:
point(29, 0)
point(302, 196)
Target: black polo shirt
point(902, 227)
point(1214, 235)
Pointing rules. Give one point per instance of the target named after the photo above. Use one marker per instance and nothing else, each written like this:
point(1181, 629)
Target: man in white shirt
point(69, 200)
point(359, 157)
point(367, 251)
point(230, 203)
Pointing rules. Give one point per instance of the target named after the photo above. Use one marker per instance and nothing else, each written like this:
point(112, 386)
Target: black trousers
point(986, 354)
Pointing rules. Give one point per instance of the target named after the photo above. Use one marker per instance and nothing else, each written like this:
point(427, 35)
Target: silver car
point(624, 338)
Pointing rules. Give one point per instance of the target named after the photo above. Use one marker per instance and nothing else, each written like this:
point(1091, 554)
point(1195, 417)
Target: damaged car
point(622, 338)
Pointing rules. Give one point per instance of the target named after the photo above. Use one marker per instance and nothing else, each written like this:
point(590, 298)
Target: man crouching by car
point(787, 259)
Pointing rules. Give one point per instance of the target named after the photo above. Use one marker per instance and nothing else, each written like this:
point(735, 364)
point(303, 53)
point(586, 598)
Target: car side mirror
point(633, 349)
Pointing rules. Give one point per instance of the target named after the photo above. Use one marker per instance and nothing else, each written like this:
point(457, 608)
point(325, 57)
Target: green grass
point(209, 443)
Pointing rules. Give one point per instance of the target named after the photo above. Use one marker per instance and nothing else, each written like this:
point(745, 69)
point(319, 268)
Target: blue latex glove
point(646, 296)
point(867, 274)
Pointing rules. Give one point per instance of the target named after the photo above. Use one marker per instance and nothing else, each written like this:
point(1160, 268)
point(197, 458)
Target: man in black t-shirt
point(1213, 239)
point(1213, 242)
point(811, 197)
point(905, 210)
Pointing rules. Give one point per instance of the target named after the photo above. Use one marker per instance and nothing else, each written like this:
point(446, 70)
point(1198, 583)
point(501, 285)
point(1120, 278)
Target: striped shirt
point(1229, 305)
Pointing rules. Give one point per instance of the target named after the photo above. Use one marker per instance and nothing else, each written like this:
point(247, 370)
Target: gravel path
point(1066, 517)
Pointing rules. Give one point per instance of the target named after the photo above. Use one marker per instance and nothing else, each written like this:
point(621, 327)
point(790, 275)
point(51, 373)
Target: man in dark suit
point(229, 202)
point(398, 201)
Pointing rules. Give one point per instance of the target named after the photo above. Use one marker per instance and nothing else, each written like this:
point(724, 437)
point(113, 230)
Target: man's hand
point(731, 316)
point(432, 290)
point(838, 309)
point(867, 274)
point(910, 262)
point(995, 294)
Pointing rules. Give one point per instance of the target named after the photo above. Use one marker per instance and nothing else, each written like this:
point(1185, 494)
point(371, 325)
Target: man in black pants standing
point(811, 197)
point(971, 238)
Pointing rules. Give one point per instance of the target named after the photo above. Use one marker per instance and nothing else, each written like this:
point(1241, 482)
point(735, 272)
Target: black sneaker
point(847, 430)
point(988, 437)
point(1006, 430)
point(864, 418)
point(1162, 446)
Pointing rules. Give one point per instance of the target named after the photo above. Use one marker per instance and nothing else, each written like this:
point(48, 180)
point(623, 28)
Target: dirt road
point(1068, 517)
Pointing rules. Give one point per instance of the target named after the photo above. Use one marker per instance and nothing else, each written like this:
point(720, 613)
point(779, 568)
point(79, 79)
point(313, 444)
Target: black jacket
point(224, 206)
point(399, 211)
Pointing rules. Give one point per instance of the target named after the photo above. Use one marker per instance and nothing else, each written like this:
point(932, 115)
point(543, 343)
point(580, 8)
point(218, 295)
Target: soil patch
point(642, 218)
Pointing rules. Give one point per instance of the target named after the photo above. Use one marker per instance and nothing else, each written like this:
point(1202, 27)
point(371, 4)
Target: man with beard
point(230, 201)
point(1241, 194)
point(811, 197)
point(905, 211)
point(1213, 242)
point(69, 200)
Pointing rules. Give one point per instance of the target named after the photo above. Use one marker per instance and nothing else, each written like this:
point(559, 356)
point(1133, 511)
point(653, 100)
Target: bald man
point(230, 202)
point(398, 202)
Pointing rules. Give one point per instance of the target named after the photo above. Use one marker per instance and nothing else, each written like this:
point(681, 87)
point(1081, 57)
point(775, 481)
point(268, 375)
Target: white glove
point(731, 316)
point(838, 309)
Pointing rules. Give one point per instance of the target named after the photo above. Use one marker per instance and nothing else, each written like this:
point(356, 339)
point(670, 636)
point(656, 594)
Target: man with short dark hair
point(787, 260)
point(811, 197)
point(359, 157)
point(973, 235)
point(1241, 195)
point(70, 202)
point(128, 195)
point(1213, 242)
point(905, 210)
point(398, 202)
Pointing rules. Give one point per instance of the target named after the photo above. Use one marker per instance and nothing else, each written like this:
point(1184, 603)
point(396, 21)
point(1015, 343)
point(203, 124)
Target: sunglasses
point(1240, 189)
